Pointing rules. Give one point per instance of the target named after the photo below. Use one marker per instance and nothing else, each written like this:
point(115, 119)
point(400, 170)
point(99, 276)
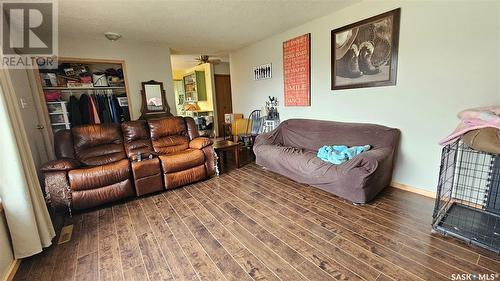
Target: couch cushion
point(173, 180)
point(313, 134)
point(182, 160)
point(99, 176)
point(98, 144)
point(168, 135)
point(136, 138)
point(170, 144)
point(135, 130)
point(167, 127)
point(94, 197)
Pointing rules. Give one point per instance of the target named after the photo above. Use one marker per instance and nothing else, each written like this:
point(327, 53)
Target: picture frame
point(297, 71)
point(262, 72)
point(365, 53)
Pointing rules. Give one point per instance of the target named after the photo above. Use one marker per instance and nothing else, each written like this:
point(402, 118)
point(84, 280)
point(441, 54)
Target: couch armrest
point(377, 161)
point(268, 138)
point(200, 142)
point(64, 164)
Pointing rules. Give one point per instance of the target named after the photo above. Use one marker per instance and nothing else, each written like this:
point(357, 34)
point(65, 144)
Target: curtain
point(27, 216)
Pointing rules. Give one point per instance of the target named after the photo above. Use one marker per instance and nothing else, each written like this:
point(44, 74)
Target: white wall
point(6, 256)
point(144, 61)
point(448, 61)
point(222, 68)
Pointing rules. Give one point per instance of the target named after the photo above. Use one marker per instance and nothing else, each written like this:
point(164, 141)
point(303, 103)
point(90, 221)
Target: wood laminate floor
point(253, 224)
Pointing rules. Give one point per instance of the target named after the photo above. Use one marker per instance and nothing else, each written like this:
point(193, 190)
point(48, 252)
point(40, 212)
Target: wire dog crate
point(468, 196)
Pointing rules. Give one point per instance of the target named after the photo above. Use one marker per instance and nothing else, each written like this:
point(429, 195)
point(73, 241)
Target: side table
point(222, 146)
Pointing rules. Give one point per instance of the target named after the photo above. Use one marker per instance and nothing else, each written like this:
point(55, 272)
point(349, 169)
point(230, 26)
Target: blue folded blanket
point(338, 154)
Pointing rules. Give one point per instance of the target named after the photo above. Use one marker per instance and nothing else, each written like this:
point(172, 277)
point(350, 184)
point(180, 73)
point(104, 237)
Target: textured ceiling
point(189, 61)
point(189, 26)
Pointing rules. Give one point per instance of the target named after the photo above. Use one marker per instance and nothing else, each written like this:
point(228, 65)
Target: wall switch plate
point(24, 103)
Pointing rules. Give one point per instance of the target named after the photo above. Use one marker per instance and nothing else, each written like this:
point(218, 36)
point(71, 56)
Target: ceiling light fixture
point(112, 36)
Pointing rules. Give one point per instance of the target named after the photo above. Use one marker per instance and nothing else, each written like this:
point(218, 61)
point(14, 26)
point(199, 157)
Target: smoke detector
point(112, 36)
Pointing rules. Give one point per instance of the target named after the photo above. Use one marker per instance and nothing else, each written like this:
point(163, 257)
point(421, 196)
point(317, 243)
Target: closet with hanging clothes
point(82, 91)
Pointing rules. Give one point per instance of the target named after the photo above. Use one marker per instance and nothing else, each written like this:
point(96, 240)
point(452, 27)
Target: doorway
point(21, 87)
point(224, 102)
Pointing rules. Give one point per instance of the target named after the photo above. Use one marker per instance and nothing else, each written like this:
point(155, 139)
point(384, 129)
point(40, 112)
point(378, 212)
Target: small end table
point(222, 146)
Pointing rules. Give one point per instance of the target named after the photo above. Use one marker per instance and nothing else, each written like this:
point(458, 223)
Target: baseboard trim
point(13, 270)
point(413, 189)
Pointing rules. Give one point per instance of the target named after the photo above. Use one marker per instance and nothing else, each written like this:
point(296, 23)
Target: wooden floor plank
point(86, 268)
point(202, 263)
point(179, 264)
point(300, 239)
point(421, 257)
point(350, 240)
point(446, 245)
point(360, 266)
point(67, 255)
point(130, 254)
point(293, 257)
point(224, 261)
point(401, 224)
point(88, 242)
point(250, 223)
point(109, 253)
point(154, 261)
point(136, 273)
point(408, 236)
point(273, 261)
point(252, 265)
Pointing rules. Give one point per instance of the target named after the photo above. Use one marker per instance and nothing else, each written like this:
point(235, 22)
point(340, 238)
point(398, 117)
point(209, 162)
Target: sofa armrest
point(376, 162)
point(268, 138)
point(200, 143)
point(64, 164)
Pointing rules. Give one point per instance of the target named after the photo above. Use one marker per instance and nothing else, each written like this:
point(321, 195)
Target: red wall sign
point(297, 70)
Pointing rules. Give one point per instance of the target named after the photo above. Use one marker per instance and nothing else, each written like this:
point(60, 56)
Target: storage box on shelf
point(58, 115)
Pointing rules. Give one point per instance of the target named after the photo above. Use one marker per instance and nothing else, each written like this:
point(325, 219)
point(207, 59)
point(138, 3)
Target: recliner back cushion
point(168, 135)
point(63, 144)
point(136, 138)
point(98, 144)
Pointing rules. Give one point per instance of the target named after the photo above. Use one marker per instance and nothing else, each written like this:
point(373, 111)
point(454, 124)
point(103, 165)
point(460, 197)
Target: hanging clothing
point(75, 117)
point(84, 109)
point(93, 110)
point(104, 109)
point(116, 109)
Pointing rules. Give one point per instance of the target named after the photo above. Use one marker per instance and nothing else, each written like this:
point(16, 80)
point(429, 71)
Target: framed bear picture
point(365, 53)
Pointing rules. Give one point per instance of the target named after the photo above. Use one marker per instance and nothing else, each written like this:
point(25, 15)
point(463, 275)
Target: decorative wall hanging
point(365, 53)
point(297, 70)
point(262, 72)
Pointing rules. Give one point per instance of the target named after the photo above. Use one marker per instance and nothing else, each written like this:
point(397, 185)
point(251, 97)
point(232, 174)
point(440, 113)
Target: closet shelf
point(83, 88)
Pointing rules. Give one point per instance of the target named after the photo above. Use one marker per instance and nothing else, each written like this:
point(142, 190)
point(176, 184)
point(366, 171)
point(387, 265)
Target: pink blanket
point(472, 119)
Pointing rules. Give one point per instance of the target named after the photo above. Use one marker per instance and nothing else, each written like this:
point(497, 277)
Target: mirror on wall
point(154, 98)
point(154, 103)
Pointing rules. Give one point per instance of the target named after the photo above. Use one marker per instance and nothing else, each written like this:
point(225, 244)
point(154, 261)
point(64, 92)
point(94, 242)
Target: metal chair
point(254, 128)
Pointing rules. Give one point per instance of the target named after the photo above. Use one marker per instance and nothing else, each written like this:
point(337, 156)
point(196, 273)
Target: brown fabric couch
point(290, 150)
point(96, 163)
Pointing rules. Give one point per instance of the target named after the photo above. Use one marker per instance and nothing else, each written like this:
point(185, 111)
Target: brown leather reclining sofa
point(98, 164)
